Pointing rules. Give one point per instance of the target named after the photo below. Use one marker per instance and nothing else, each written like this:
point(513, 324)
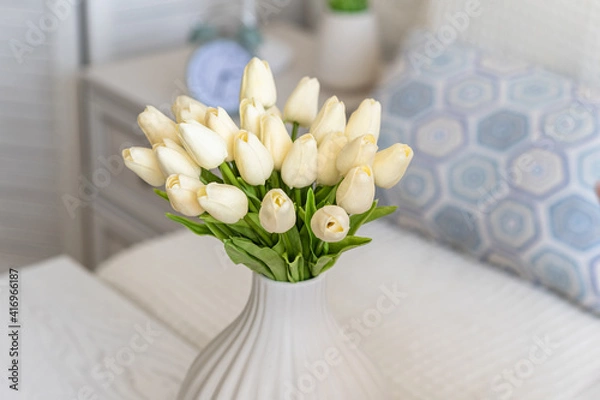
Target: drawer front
point(113, 231)
point(113, 127)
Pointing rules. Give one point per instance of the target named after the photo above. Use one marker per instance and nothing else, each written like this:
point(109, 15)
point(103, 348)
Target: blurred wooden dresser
point(120, 209)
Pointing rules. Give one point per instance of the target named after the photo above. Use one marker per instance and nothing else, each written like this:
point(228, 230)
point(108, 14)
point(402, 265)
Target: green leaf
point(381, 212)
point(161, 193)
point(330, 198)
point(375, 212)
point(349, 242)
point(295, 267)
point(330, 264)
point(197, 227)
point(311, 209)
point(357, 220)
point(273, 260)
point(240, 256)
point(280, 246)
point(206, 176)
point(317, 267)
point(239, 229)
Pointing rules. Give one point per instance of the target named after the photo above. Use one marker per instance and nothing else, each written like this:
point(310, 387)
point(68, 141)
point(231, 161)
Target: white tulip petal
point(157, 126)
point(204, 145)
point(357, 190)
point(143, 162)
point(330, 224)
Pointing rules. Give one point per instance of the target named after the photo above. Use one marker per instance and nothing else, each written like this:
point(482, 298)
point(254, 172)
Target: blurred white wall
point(118, 29)
point(38, 57)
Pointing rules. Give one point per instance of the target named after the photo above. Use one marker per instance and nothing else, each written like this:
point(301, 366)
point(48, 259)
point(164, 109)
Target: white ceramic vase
point(349, 50)
point(285, 345)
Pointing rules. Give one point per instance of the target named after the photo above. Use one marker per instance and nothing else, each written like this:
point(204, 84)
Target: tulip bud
point(252, 158)
point(366, 120)
point(391, 164)
point(360, 151)
point(299, 168)
point(219, 121)
point(274, 111)
point(330, 224)
point(276, 138)
point(250, 113)
point(143, 162)
point(357, 191)
point(157, 126)
point(258, 83)
point(204, 145)
point(183, 194)
point(173, 159)
point(327, 173)
point(331, 118)
point(277, 213)
point(185, 108)
point(226, 203)
point(303, 103)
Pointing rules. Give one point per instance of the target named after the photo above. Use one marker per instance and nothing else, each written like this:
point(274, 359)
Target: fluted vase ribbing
point(285, 345)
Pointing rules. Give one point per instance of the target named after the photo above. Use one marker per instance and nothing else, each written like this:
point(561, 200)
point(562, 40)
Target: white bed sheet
point(461, 331)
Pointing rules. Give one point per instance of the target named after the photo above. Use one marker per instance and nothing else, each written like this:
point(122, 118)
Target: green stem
point(228, 175)
point(319, 249)
point(295, 131)
point(274, 180)
point(259, 231)
point(298, 197)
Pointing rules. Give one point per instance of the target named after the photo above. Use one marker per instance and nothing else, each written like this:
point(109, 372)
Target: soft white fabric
point(457, 329)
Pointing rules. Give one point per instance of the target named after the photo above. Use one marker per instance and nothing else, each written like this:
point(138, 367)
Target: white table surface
point(72, 324)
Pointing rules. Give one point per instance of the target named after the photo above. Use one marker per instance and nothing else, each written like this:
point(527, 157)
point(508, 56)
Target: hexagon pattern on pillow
point(506, 159)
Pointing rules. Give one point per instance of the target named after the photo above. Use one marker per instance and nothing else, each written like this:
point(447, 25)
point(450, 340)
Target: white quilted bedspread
point(460, 330)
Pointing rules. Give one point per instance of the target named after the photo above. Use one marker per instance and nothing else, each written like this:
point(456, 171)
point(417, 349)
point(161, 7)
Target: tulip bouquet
point(285, 205)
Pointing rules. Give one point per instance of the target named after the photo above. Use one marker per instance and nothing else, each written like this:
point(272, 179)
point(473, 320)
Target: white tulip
point(204, 145)
point(300, 166)
point(274, 111)
point(258, 83)
point(391, 164)
point(173, 159)
point(303, 103)
point(277, 213)
point(183, 194)
point(157, 126)
point(226, 203)
point(219, 121)
point(329, 149)
point(276, 138)
point(360, 151)
point(357, 190)
point(250, 113)
point(331, 118)
point(186, 108)
point(252, 158)
point(330, 224)
point(366, 120)
point(143, 162)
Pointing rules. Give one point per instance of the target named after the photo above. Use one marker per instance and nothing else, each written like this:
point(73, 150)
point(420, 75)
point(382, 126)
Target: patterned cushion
point(506, 159)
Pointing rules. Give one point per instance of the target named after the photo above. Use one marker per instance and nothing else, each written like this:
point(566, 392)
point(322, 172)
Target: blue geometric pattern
point(506, 159)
